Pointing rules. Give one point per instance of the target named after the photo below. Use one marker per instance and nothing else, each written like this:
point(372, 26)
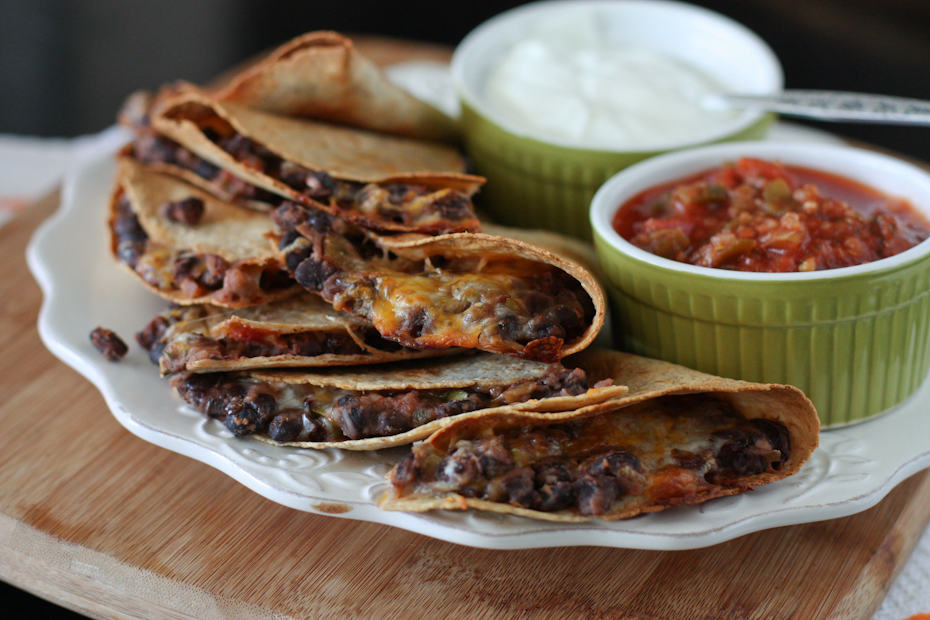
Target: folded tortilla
point(677, 437)
point(321, 75)
point(223, 255)
point(374, 407)
point(300, 331)
point(380, 182)
point(467, 290)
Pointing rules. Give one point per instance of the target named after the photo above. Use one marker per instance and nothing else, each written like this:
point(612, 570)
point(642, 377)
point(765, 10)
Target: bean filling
point(374, 205)
point(194, 274)
point(664, 452)
point(308, 413)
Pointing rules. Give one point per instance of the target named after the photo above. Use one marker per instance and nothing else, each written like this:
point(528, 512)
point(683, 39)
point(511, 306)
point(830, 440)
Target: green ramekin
point(856, 340)
point(536, 182)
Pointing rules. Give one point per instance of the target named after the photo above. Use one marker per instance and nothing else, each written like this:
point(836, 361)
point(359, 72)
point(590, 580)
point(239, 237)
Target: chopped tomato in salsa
point(756, 215)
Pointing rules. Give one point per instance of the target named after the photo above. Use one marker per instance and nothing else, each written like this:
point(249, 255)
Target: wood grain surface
point(99, 521)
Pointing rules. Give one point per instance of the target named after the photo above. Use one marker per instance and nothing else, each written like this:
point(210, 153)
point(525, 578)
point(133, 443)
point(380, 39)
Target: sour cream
point(569, 83)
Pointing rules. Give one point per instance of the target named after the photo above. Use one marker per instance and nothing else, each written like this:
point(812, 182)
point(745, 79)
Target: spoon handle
point(828, 105)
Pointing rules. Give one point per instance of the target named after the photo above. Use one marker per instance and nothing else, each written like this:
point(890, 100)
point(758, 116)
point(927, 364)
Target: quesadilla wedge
point(379, 182)
point(189, 247)
point(467, 290)
point(321, 75)
point(300, 331)
point(373, 407)
point(677, 437)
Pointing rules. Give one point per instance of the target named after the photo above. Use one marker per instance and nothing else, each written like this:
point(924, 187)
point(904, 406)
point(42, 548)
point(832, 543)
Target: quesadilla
point(677, 437)
point(189, 247)
point(373, 407)
point(379, 182)
point(300, 331)
point(466, 290)
point(321, 75)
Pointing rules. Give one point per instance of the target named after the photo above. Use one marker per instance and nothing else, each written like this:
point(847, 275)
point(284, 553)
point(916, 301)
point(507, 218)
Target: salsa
point(757, 215)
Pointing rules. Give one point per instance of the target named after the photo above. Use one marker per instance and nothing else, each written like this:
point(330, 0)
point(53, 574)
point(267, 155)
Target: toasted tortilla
point(447, 375)
point(560, 245)
point(207, 338)
point(648, 380)
point(183, 113)
point(239, 236)
point(481, 282)
point(321, 75)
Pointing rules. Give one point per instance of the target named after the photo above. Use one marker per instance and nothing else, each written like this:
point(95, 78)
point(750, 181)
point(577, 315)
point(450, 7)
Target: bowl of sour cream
point(558, 96)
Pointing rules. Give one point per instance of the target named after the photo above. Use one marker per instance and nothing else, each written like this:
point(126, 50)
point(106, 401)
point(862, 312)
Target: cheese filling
point(502, 304)
point(667, 451)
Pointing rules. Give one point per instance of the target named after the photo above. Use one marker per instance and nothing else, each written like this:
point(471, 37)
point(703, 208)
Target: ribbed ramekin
point(540, 182)
point(856, 339)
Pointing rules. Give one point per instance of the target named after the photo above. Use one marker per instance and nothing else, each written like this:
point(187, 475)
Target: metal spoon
point(828, 105)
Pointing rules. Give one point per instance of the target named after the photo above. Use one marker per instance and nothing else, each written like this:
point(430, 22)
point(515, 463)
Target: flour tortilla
point(321, 75)
point(344, 153)
point(459, 245)
point(300, 314)
point(240, 236)
point(646, 379)
point(484, 370)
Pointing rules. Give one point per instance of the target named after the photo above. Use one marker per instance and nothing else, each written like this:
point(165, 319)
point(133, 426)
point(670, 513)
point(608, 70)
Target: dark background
point(66, 65)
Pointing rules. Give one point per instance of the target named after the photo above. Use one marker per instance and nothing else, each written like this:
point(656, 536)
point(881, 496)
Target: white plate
point(853, 468)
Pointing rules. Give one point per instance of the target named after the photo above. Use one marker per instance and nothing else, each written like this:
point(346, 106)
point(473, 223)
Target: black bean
point(312, 273)
point(248, 415)
point(286, 426)
point(596, 494)
point(215, 271)
point(566, 317)
point(554, 485)
point(289, 215)
point(127, 228)
point(296, 256)
point(108, 343)
point(739, 456)
point(150, 148)
point(454, 206)
point(416, 321)
point(264, 403)
point(520, 488)
point(206, 170)
point(188, 211)
point(130, 252)
point(777, 435)
point(735, 459)
point(542, 327)
point(319, 221)
point(319, 185)
point(406, 471)
point(458, 469)
point(575, 382)
point(494, 455)
point(509, 328)
point(615, 464)
point(187, 266)
point(152, 332)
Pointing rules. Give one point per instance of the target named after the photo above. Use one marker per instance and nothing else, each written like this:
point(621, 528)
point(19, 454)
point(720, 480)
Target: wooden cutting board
point(99, 521)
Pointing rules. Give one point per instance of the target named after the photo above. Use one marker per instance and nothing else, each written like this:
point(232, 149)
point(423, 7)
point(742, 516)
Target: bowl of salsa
point(804, 264)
